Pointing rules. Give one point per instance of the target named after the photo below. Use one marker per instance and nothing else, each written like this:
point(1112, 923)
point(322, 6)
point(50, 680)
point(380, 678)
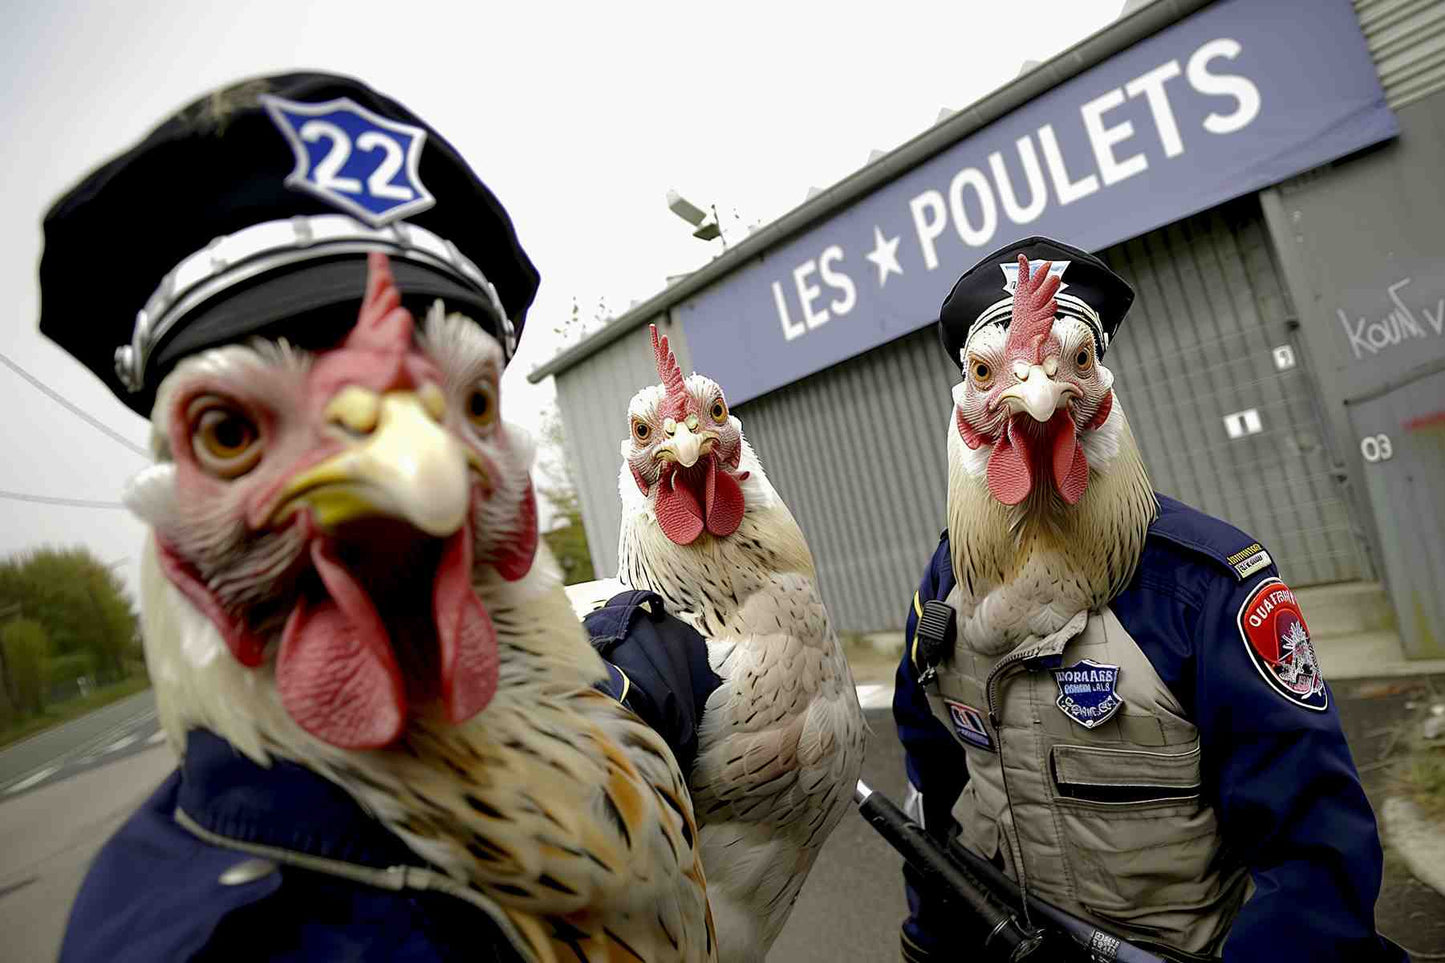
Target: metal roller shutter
point(1197, 347)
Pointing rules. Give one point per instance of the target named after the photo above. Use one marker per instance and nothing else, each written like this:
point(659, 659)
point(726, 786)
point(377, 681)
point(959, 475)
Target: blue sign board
point(1232, 99)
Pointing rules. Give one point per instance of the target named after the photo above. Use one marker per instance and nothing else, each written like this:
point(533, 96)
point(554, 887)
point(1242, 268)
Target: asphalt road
point(106, 735)
point(48, 836)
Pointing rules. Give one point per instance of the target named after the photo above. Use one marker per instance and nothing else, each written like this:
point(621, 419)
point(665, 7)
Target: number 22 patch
point(1278, 642)
point(353, 158)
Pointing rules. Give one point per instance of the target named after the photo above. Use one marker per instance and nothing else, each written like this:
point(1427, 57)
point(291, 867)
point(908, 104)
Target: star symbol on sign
point(885, 255)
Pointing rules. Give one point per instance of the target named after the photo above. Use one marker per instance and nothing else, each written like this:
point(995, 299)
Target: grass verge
point(61, 712)
point(1423, 778)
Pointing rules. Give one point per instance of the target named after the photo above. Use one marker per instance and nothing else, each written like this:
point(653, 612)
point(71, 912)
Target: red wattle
point(468, 639)
point(970, 436)
point(1010, 471)
point(517, 553)
point(722, 502)
point(1102, 414)
point(336, 673)
point(679, 511)
point(245, 645)
point(1070, 467)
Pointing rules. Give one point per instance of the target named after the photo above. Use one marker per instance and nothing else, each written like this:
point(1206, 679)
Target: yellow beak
point(1037, 394)
point(686, 446)
point(408, 466)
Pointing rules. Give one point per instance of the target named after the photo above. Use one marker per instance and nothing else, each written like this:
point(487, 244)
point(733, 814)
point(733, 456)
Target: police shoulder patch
point(1249, 560)
point(968, 724)
point(1278, 643)
point(353, 158)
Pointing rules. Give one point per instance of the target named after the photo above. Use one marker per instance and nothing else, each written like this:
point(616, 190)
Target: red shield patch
point(1278, 642)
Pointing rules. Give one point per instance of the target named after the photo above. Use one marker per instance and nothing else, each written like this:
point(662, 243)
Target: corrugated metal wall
point(593, 399)
point(1407, 40)
point(858, 453)
point(1197, 346)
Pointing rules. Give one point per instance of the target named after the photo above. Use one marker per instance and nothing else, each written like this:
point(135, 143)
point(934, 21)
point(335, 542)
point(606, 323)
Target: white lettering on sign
point(1400, 324)
point(813, 315)
point(808, 293)
point(973, 235)
point(1151, 85)
point(791, 329)
point(929, 219)
point(1242, 89)
point(1065, 189)
point(1019, 185)
point(1038, 192)
point(837, 280)
point(1104, 138)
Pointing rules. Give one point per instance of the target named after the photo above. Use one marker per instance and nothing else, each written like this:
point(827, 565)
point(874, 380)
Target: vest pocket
point(1103, 775)
point(1138, 839)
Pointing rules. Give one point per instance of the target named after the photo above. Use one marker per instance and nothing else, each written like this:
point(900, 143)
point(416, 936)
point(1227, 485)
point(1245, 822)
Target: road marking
point(31, 780)
point(118, 744)
point(875, 696)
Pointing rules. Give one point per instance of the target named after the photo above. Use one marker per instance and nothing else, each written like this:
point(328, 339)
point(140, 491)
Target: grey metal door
point(1402, 439)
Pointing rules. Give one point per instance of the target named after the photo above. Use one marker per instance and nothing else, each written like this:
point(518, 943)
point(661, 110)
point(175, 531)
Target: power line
point(50, 500)
point(74, 408)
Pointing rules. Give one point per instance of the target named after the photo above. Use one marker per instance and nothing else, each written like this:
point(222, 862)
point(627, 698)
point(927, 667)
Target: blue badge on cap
point(1087, 692)
point(355, 159)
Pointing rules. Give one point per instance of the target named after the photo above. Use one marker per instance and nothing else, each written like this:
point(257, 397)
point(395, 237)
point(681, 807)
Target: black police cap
point(251, 211)
point(1088, 290)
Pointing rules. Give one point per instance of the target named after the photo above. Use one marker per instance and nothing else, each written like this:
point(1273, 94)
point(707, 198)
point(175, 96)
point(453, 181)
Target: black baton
point(1010, 939)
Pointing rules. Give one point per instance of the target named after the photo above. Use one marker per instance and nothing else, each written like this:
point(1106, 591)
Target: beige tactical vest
point(1107, 822)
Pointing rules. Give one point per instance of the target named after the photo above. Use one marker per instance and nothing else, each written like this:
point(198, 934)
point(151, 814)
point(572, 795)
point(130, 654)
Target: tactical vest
point(1106, 821)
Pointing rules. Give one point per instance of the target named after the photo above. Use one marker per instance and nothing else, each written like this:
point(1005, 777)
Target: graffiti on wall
point(1368, 337)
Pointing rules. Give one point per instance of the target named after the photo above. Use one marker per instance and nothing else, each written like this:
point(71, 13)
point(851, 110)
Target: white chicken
point(1048, 499)
point(342, 575)
point(781, 740)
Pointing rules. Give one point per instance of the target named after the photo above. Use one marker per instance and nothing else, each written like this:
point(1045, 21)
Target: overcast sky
point(580, 117)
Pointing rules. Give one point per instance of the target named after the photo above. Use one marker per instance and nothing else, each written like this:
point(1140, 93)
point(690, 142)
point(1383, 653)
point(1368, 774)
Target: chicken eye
point(641, 430)
point(482, 405)
point(226, 442)
point(719, 411)
point(982, 372)
point(1083, 358)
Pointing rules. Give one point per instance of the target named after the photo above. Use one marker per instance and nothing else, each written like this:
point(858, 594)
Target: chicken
point(345, 573)
point(1048, 499)
point(781, 740)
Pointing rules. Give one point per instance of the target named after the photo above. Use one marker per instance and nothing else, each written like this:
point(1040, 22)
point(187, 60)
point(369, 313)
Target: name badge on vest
point(1087, 692)
point(968, 724)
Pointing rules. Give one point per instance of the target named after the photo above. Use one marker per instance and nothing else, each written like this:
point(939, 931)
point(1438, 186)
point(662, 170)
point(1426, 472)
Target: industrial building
point(1266, 173)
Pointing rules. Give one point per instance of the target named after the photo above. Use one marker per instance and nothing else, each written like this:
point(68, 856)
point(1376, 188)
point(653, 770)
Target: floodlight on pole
point(707, 228)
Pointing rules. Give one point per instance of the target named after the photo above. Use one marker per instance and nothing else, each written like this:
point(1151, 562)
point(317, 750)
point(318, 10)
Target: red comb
point(382, 324)
point(1034, 309)
point(671, 375)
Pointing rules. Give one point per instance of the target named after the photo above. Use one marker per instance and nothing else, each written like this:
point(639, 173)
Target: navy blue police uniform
point(251, 212)
point(1275, 765)
point(657, 667)
point(229, 860)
